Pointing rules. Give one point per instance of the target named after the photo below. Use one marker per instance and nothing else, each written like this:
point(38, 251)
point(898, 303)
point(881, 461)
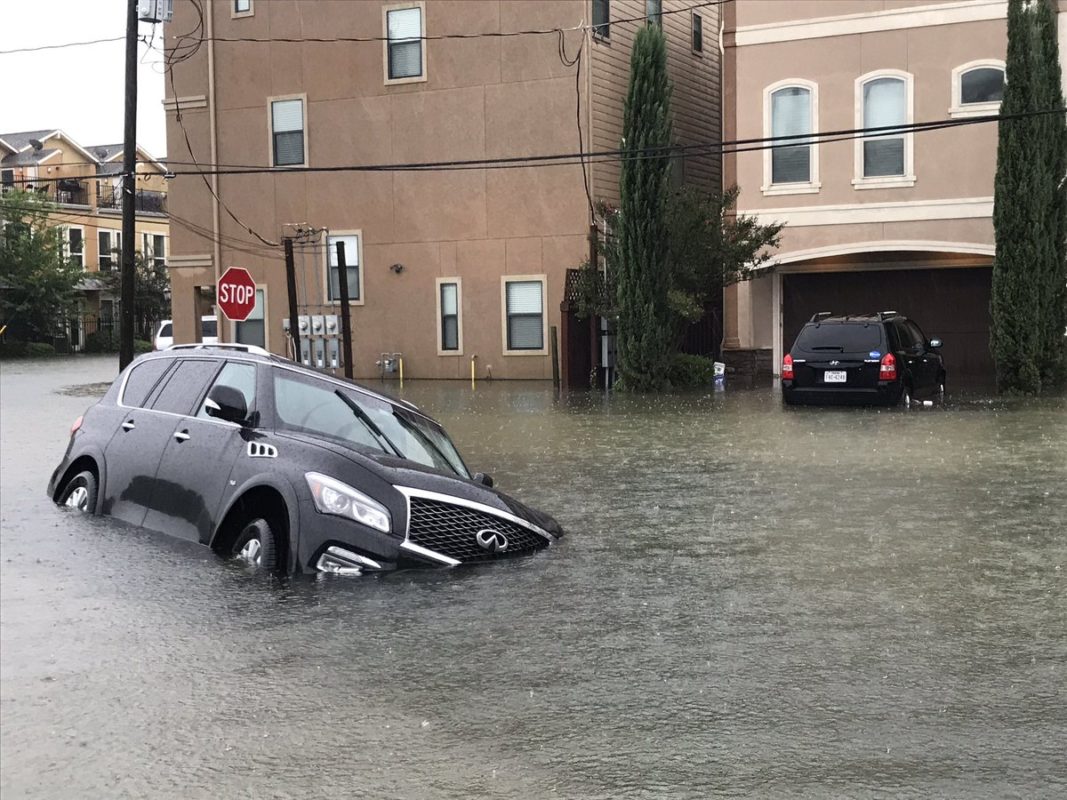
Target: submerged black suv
point(881, 358)
point(286, 468)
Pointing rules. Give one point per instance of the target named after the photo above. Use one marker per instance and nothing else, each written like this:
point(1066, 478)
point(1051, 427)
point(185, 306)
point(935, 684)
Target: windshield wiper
point(363, 417)
point(425, 439)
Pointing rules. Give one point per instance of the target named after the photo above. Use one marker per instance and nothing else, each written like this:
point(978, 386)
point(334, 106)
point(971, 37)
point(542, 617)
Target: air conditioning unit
point(155, 10)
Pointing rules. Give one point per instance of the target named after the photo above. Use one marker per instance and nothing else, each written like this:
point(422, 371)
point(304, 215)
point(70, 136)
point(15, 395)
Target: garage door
point(952, 304)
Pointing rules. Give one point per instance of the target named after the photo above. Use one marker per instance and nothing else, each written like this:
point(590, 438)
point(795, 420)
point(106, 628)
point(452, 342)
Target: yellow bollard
point(472, 370)
point(401, 373)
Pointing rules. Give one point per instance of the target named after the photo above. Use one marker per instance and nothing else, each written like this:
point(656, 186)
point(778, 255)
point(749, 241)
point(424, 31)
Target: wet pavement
point(752, 601)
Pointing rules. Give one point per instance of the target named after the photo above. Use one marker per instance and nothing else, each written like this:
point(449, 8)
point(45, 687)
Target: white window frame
point(885, 181)
point(601, 31)
point(813, 185)
point(504, 281)
point(67, 253)
point(438, 283)
point(421, 78)
point(116, 260)
point(260, 287)
point(148, 249)
point(235, 14)
point(303, 98)
point(958, 107)
point(358, 233)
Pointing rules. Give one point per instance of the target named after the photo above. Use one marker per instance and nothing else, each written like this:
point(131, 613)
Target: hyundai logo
point(491, 540)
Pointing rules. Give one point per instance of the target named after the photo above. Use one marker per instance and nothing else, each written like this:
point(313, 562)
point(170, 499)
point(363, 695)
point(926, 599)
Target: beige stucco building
point(84, 184)
point(902, 222)
point(449, 263)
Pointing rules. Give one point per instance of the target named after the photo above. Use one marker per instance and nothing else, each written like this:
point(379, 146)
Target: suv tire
point(257, 547)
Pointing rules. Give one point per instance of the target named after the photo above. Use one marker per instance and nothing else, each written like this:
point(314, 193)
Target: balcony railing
point(144, 200)
point(71, 193)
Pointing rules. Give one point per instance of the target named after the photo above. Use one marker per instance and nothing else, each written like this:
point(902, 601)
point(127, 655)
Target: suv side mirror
point(935, 343)
point(227, 403)
point(483, 479)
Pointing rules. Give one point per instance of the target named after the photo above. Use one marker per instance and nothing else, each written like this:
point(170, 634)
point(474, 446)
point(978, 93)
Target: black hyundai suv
point(285, 468)
point(872, 359)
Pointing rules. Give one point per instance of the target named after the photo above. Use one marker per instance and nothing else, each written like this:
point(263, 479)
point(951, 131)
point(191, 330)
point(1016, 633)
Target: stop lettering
point(236, 293)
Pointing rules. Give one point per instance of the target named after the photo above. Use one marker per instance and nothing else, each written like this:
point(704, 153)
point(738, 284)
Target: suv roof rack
point(820, 316)
point(240, 348)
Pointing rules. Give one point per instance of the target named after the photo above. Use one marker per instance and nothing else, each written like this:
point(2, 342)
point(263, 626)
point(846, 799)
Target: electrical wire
point(61, 46)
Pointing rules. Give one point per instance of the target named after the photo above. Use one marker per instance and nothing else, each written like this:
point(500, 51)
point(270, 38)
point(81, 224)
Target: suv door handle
point(128, 425)
point(181, 436)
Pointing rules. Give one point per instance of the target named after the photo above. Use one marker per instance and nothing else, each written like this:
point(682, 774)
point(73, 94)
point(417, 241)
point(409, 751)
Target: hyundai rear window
point(840, 338)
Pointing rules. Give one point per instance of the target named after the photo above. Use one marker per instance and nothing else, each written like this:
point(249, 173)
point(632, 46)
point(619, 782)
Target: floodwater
point(752, 601)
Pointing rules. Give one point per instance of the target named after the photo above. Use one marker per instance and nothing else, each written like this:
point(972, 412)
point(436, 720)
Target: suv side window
point(917, 335)
point(185, 386)
point(240, 376)
point(142, 380)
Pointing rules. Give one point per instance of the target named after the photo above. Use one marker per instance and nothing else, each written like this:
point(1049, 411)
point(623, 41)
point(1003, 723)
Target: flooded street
point(752, 601)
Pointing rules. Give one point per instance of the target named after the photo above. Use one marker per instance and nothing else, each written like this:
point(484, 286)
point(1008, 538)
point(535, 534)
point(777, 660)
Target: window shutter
point(791, 116)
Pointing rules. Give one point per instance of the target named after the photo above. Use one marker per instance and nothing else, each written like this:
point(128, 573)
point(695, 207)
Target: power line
point(60, 46)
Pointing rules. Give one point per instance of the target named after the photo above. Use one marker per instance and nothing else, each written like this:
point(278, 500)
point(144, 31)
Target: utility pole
point(294, 312)
point(129, 186)
point(346, 328)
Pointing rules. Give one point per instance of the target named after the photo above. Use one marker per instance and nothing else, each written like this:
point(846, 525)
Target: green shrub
point(39, 350)
point(101, 342)
point(141, 346)
point(691, 372)
point(13, 349)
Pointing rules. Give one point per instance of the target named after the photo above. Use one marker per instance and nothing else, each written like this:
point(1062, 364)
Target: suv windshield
point(845, 337)
point(331, 411)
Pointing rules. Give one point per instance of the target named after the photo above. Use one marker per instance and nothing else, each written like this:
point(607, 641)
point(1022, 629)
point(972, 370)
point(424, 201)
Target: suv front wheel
point(257, 547)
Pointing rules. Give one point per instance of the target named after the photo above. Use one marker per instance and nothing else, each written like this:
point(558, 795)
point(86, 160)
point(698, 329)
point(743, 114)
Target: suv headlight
point(340, 499)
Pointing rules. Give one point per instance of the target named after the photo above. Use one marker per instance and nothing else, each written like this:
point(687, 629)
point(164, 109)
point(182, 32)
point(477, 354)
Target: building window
point(74, 246)
point(110, 247)
point(698, 33)
point(154, 247)
point(525, 313)
point(602, 19)
point(287, 132)
point(791, 116)
point(242, 8)
point(654, 12)
point(977, 88)
point(7, 180)
point(352, 261)
point(884, 100)
point(405, 47)
point(253, 330)
point(448, 302)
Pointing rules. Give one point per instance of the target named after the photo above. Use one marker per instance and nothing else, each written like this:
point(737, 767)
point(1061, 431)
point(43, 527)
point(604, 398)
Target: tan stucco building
point(901, 223)
point(84, 184)
point(449, 264)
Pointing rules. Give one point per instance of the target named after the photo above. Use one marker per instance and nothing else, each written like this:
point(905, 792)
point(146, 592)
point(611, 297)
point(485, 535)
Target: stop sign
point(236, 294)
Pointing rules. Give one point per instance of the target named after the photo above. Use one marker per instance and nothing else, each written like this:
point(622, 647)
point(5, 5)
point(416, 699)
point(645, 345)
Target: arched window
point(884, 101)
point(977, 88)
point(791, 110)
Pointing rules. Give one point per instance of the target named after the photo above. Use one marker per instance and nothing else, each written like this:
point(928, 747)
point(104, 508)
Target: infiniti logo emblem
point(491, 540)
point(834, 363)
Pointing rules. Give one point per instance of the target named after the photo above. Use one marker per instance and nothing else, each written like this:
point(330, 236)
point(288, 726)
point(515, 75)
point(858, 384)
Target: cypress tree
point(1048, 94)
point(1028, 211)
point(643, 346)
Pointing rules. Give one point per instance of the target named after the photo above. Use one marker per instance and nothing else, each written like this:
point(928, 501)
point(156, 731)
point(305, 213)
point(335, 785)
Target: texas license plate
point(835, 376)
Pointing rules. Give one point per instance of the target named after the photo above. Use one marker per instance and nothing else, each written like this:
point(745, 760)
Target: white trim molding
point(893, 19)
point(812, 185)
point(859, 181)
point(190, 103)
point(303, 98)
point(883, 246)
point(958, 107)
point(861, 213)
point(200, 260)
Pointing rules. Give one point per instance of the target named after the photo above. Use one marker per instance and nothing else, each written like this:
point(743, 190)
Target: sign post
point(236, 293)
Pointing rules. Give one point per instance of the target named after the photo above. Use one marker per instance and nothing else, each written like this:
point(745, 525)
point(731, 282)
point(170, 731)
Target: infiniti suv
point(285, 468)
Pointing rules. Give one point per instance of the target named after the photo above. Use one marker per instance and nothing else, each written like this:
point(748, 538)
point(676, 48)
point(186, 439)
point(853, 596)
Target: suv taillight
point(787, 368)
point(887, 370)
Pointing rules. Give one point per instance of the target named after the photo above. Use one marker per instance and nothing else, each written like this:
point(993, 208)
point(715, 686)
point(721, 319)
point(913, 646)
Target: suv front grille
point(452, 530)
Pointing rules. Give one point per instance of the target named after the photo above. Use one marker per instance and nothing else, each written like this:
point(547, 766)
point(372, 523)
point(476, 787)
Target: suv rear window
point(845, 337)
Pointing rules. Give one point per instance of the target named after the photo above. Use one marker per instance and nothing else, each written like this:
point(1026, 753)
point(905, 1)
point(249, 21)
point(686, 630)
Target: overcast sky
point(77, 89)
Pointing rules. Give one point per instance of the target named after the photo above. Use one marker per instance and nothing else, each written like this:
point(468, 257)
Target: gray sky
point(77, 89)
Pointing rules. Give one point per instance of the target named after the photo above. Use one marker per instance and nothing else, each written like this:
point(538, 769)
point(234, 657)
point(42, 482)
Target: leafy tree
point(1028, 269)
point(644, 329)
point(37, 282)
point(151, 293)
